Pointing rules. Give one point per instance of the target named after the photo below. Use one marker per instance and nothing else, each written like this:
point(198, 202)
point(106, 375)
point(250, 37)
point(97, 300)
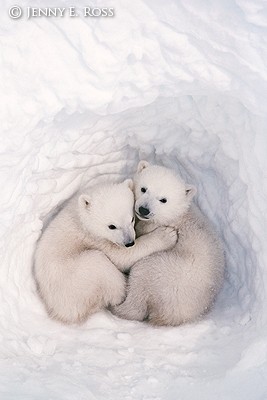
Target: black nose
point(129, 244)
point(143, 211)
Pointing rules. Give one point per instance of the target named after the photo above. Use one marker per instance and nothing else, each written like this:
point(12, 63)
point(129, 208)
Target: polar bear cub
point(178, 285)
point(82, 251)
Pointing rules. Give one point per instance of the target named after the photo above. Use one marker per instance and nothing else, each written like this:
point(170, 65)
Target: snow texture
point(182, 83)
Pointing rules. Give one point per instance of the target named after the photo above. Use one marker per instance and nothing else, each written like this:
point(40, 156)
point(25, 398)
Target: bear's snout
point(143, 211)
point(129, 244)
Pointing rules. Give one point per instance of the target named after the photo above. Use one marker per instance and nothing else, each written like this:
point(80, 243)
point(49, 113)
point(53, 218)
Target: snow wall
point(182, 83)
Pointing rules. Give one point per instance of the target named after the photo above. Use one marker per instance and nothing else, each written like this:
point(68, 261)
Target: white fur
point(78, 258)
point(179, 285)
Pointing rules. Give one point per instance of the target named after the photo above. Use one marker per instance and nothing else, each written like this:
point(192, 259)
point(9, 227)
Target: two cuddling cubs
point(176, 263)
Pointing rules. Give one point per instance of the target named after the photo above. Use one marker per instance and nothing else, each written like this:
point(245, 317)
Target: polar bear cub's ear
point(129, 183)
point(85, 201)
point(190, 191)
point(142, 165)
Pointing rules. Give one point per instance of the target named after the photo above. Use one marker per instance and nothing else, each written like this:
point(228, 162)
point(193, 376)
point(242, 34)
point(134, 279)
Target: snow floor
point(182, 83)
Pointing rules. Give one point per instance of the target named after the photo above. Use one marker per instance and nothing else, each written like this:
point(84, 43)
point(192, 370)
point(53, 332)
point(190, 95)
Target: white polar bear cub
point(179, 285)
point(79, 255)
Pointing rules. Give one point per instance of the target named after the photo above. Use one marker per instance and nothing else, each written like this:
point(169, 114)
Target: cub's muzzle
point(129, 244)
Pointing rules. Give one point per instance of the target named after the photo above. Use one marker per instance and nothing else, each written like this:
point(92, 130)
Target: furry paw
point(119, 294)
point(127, 311)
point(168, 236)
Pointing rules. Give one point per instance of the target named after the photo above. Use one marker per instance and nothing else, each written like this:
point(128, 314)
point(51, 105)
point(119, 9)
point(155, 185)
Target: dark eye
point(112, 227)
point(143, 190)
point(132, 219)
point(163, 200)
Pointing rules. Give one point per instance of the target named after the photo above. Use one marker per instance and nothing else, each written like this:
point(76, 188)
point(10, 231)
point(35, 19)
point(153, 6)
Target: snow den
point(180, 83)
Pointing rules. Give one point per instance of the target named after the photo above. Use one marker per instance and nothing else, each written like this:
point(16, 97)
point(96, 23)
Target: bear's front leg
point(144, 227)
point(163, 238)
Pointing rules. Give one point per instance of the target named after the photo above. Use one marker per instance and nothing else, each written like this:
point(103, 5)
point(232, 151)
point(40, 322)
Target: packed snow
point(182, 83)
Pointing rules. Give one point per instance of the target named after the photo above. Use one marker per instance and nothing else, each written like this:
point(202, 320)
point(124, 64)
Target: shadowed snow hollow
point(182, 83)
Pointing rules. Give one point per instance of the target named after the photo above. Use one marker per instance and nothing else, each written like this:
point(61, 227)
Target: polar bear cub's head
point(160, 195)
point(108, 212)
